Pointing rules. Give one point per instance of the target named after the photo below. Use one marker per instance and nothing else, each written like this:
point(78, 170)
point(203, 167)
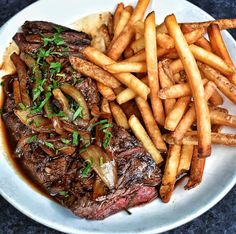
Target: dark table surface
point(220, 219)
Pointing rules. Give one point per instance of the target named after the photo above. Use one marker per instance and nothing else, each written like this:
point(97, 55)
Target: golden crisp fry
point(150, 123)
point(119, 115)
point(142, 136)
point(170, 173)
point(151, 60)
point(196, 85)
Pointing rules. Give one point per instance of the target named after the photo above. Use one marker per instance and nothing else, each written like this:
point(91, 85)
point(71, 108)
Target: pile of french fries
point(165, 82)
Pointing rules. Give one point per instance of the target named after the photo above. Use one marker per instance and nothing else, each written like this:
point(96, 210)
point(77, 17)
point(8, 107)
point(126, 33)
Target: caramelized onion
point(37, 123)
point(107, 170)
point(78, 97)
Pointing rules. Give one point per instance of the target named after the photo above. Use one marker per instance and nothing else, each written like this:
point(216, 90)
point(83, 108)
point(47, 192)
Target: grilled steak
point(54, 133)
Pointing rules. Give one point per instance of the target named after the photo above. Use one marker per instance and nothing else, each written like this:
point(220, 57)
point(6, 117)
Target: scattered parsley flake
point(75, 138)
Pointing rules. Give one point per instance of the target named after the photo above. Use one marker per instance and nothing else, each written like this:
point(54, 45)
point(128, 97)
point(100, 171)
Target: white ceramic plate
point(219, 176)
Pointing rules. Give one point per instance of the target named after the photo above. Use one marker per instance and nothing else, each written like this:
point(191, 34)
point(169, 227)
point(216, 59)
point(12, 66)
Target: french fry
point(185, 159)
point(95, 72)
point(138, 45)
point(219, 47)
point(219, 117)
point(116, 17)
point(150, 123)
point(123, 40)
point(106, 92)
point(128, 94)
point(165, 82)
point(166, 42)
point(139, 57)
point(223, 24)
point(129, 8)
point(222, 83)
point(151, 60)
point(161, 28)
point(138, 67)
point(110, 25)
point(104, 32)
point(176, 66)
point(122, 21)
point(105, 107)
point(191, 139)
point(139, 27)
point(211, 59)
point(196, 171)
point(174, 116)
point(196, 85)
point(119, 115)
point(216, 99)
point(128, 53)
point(177, 91)
point(128, 79)
point(190, 117)
point(204, 43)
point(142, 136)
point(170, 173)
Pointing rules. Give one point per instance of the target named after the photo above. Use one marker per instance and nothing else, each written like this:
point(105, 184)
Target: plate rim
point(178, 223)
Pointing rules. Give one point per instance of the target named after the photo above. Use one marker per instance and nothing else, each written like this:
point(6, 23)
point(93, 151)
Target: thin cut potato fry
point(116, 17)
point(219, 47)
point(177, 91)
point(216, 99)
point(105, 107)
point(104, 32)
point(139, 27)
point(191, 139)
point(190, 116)
point(196, 85)
point(165, 82)
point(139, 57)
point(174, 116)
point(128, 94)
point(170, 173)
point(128, 79)
point(129, 8)
point(119, 115)
point(223, 24)
point(128, 53)
point(222, 83)
point(221, 118)
point(123, 20)
point(152, 68)
point(217, 43)
point(196, 171)
point(185, 159)
point(138, 45)
point(204, 43)
point(95, 72)
point(142, 136)
point(211, 59)
point(150, 123)
point(106, 92)
point(176, 66)
point(166, 42)
point(123, 40)
point(138, 67)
